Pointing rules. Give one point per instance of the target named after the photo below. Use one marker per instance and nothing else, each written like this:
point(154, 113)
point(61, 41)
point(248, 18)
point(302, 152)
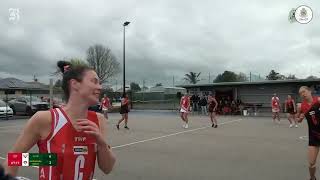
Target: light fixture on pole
point(124, 55)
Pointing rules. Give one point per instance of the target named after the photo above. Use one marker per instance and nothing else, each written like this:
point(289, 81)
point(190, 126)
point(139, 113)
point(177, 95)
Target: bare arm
point(216, 103)
point(105, 156)
point(285, 105)
point(28, 138)
point(300, 115)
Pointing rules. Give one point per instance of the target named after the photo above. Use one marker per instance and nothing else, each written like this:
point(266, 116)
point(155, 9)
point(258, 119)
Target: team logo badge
point(302, 14)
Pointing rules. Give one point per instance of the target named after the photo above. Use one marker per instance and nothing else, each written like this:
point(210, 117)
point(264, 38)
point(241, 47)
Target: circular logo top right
point(303, 14)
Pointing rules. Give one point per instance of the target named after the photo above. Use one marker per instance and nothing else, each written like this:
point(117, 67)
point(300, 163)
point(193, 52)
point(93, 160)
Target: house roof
point(13, 83)
point(253, 83)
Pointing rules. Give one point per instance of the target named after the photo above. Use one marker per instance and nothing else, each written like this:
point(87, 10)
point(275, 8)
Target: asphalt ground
point(157, 147)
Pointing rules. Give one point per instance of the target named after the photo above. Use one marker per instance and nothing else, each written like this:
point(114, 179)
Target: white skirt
point(183, 110)
point(275, 110)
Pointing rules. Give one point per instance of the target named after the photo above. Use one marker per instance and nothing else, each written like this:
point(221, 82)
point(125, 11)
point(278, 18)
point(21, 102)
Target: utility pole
point(143, 89)
point(172, 81)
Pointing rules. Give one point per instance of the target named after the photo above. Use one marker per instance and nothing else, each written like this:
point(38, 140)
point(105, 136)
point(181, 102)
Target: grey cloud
point(165, 39)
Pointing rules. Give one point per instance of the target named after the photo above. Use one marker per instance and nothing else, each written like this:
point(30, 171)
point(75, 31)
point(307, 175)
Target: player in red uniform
point(310, 109)
point(76, 135)
point(105, 104)
point(213, 104)
point(290, 108)
point(185, 109)
point(124, 110)
point(275, 105)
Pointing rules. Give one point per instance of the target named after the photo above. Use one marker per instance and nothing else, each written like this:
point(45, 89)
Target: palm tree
point(192, 77)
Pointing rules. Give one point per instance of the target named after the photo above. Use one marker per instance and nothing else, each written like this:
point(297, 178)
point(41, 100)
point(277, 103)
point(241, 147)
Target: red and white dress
point(105, 104)
point(275, 103)
point(76, 151)
point(185, 104)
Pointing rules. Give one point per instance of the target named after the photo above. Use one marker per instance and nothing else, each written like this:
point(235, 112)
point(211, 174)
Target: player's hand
point(300, 117)
point(91, 128)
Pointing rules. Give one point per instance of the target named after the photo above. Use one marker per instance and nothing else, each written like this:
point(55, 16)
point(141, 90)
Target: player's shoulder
point(42, 118)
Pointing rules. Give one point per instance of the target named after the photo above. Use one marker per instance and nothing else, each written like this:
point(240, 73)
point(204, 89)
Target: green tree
point(74, 61)
point(291, 76)
point(227, 76)
point(273, 75)
point(192, 77)
point(145, 88)
point(135, 87)
point(312, 77)
point(77, 61)
point(242, 77)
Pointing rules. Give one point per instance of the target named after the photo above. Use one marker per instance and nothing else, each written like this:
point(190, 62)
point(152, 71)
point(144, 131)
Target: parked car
point(96, 108)
point(23, 105)
point(56, 102)
point(5, 110)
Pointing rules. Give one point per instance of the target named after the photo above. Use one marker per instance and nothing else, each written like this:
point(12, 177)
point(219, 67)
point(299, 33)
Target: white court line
point(10, 126)
point(22, 178)
point(305, 138)
point(165, 136)
point(160, 137)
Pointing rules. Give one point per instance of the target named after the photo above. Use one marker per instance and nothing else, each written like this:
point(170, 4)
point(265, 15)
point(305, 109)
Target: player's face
point(304, 93)
point(289, 97)
point(90, 87)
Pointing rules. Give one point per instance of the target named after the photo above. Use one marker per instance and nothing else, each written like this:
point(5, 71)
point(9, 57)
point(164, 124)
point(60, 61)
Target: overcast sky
point(166, 37)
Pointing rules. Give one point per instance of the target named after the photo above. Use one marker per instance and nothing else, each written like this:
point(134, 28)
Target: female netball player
point(275, 105)
point(105, 104)
point(309, 109)
point(76, 135)
point(290, 108)
point(124, 110)
point(185, 109)
point(213, 104)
